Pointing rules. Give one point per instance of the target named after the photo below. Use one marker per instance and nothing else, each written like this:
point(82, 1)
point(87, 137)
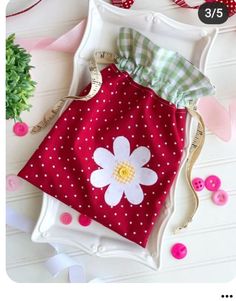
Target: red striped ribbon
point(183, 3)
point(231, 5)
point(24, 10)
point(123, 3)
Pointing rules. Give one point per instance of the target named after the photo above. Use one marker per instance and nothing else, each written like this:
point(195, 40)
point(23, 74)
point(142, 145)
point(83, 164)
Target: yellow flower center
point(124, 172)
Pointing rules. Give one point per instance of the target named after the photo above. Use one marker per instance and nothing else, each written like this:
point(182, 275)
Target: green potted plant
point(19, 84)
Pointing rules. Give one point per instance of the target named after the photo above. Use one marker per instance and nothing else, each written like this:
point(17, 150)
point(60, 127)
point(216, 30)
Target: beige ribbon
point(99, 57)
point(194, 152)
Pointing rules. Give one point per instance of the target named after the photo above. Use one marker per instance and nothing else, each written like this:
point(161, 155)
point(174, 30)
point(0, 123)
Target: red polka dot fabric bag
point(115, 156)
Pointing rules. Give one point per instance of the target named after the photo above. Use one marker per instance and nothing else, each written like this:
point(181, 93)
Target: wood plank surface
point(211, 239)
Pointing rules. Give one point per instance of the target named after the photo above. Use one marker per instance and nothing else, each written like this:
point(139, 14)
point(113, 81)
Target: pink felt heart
point(68, 42)
point(217, 119)
point(232, 111)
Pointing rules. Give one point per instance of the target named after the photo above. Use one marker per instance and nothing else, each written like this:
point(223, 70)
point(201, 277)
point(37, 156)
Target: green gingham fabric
point(169, 74)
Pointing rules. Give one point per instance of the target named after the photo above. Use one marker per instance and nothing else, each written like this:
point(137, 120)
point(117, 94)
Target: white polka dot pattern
point(63, 164)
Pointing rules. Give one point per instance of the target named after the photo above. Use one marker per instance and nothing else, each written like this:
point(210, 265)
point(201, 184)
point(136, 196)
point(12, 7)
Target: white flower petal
point(104, 158)
point(100, 178)
point(140, 156)
point(121, 148)
point(134, 193)
point(113, 194)
point(147, 176)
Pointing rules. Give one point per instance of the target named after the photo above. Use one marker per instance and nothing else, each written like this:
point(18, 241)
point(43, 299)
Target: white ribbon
point(18, 221)
point(56, 263)
point(60, 262)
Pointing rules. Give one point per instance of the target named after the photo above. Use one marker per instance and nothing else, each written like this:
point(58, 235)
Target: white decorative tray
point(103, 24)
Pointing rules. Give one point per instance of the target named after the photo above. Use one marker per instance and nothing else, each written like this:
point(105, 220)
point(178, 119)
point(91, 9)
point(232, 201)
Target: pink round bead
point(179, 251)
point(13, 183)
point(20, 129)
point(220, 197)
point(84, 220)
point(66, 218)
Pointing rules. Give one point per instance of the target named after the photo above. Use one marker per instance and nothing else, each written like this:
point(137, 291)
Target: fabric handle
point(99, 57)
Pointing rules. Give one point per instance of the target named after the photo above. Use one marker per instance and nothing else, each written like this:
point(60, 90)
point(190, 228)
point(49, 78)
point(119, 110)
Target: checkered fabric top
point(166, 72)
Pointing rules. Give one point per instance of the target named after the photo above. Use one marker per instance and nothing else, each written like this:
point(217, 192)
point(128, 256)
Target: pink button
point(179, 251)
point(220, 197)
point(198, 184)
point(13, 183)
point(212, 183)
point(84, 220)
point(20, 128)
point(66, 218)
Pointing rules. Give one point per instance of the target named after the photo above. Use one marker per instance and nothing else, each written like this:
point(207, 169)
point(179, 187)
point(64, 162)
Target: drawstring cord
point(194, 152)
point(99, 57)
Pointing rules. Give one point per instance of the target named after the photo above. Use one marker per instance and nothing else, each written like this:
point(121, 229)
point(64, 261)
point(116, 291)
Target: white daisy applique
point(123, 172)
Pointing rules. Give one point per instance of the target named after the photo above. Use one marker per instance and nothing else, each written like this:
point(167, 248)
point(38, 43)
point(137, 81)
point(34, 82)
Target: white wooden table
point(212, 239)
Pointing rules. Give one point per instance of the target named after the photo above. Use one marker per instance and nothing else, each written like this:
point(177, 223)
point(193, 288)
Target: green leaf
point(19, 84)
